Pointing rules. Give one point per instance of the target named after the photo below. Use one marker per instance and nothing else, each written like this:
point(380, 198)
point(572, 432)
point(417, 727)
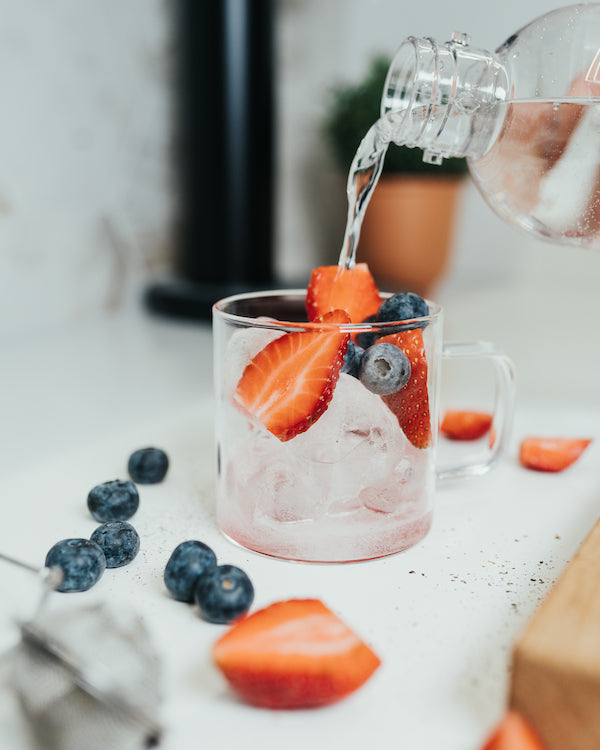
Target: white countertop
point(442, 616)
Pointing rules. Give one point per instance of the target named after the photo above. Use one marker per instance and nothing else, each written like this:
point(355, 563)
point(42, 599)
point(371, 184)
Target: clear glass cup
point(352, 486)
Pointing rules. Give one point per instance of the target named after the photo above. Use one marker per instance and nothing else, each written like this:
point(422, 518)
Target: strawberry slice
point(551, 454)
point(465, 425)
point(411, 403)
point(353, 290)
point(513, 733)
point(293, 654)
point(289, 384)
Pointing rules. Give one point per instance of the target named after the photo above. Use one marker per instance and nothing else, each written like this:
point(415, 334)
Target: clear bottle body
point(542, 174)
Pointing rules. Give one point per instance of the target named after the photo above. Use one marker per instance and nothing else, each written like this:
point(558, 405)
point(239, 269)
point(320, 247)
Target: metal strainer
point(86, 676)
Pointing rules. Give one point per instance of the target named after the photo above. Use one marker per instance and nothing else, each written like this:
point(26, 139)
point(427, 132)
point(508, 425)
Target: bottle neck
point(443, 98)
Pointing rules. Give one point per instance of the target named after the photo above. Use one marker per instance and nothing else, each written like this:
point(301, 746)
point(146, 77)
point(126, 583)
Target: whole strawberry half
point(334, 288)
point(293, 654)
point(551, 454)
point(411, 403)
point(289, 384)
point(460, 424)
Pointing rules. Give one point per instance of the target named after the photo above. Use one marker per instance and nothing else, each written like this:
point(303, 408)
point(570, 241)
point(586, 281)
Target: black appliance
point(224, 152)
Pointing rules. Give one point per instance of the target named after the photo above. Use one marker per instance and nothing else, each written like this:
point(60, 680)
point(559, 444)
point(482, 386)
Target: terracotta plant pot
point(407, 232)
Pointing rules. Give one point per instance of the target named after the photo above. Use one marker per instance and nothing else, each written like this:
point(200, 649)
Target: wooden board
point(555, 681)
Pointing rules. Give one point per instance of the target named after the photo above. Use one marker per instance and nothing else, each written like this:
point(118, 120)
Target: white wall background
point(85, 201)
point(86, 205)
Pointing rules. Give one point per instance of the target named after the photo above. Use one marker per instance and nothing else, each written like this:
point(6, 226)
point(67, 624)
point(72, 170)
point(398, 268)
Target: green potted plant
point(407, 232)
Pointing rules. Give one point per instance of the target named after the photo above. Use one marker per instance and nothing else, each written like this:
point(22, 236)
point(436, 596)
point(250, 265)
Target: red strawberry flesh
point(551, 454)
point(353, 290)
point(411, 403)
point(513, 733)
point(289, 384)
point(460, 424)
point(294, 654)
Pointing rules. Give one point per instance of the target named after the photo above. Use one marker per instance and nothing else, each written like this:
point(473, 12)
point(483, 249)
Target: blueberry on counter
point(119, 541)
point(223, 593)
point(113, 501)
point(384, 369)
point(81, 560)
point(148, 465)
point(188, 561)
point(402, 306)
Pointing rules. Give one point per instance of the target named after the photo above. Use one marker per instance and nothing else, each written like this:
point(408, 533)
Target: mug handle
point(504, 403)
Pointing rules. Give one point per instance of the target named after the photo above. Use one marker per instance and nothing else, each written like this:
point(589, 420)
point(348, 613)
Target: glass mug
point(351, 486)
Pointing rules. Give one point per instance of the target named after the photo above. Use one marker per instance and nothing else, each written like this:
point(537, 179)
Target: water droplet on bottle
point(556, 106)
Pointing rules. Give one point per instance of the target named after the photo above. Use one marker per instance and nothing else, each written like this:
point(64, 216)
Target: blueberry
point(402, 306)
point(148, 465)
point(82, 563)
point(113, 501)
point(384, 369)
point(188, 561)
point(365, 339)
point(352, 359)
point(223, 593)
point(119, 541)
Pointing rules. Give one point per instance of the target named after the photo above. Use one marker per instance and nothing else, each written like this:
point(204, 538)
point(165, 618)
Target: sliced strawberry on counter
point(551, 454)
point(465, 425)
point(293, 654)
point(289, 384)
point(513, 733)
point(411, 403)
point(334, 288)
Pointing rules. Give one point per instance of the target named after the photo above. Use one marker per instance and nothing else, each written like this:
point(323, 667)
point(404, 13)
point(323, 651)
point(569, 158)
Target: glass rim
point(435, 311)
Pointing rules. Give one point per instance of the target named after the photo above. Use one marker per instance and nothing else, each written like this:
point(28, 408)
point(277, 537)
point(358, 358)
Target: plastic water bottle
point(526, 117)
